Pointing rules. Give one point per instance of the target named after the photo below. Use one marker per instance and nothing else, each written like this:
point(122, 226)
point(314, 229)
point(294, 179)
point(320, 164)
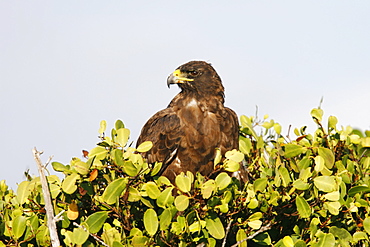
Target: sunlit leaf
point(333, 207)
point(122, 136)
point(69, 183)
point(96, 220)
point(328, 156)
point(234, 155)
point(59, 166)
point(241, 235)
point(165, 198)
point(288, 241)
point(222, 180)
point(260, 184)
point(215, 227)
point(317, 113)
point(303, 207)
point(183, 182)
point(144, 147)
point(23, 191)
point(19, 226)
point(79, 236)
point(325, 183)
point(151, 221)
point(292, 150)
point(114, 190)
point(181, 202)
point(165, 219)
point(366, 224)
point(103, 127)
point(208, 188)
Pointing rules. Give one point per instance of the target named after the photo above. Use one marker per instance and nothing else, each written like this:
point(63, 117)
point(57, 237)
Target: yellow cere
point(177, 73)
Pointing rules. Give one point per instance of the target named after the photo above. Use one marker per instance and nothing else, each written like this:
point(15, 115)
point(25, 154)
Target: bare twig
point(227, 232)
point(262, 229)
point(48, 204)
point(92, 235)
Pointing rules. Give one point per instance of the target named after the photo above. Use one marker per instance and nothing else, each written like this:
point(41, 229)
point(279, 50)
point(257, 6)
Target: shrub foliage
point(306, 190)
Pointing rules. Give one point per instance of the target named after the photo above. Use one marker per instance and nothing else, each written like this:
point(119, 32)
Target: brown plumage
point(186, 134)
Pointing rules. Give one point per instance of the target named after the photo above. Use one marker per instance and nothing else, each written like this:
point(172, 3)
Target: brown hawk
point(187, 133)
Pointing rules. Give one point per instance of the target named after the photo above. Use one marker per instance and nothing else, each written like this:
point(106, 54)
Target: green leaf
point(317, 113)
point(59, 167)
point(234, 155)
point(69, 183)
point(23, 191)
point(231, 166)
point(122, 136)
point(292, 150)
point(277, 128)
point(165, 198)
point(144, 147)
point(366, 224)
point(325, 183)
point(341, 234)
point(222, 180)
point(288, 241)
point(325, 240)
point(152, 190)
point(81, 167)
point(98, 152)
point(332, 122)
point(328, 156)
point(133, 194)
point(119, 124)
point(181, 202)
point(42, 236)
point(131, 169)
point(241, 235)
point(245, 145)
point(218, 157)
point(303, 207)
point(332, 196)
point(113, 191)
point(103, 127)
point(260, 184)
point(208, 188)
point(19, 226)
point(150, 221)
point(333, 207)
point(285, 178)
point(358, 189)
point(79, 236)
point(255, 224)
point(300, 184)
point(215, 227)
point(165, 219)
point(183, 182)
point(96, 220)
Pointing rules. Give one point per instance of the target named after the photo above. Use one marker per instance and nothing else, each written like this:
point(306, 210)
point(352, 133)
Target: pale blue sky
point(66, 65)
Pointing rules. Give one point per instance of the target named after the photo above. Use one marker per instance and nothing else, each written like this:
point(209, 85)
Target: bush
point(310, 190)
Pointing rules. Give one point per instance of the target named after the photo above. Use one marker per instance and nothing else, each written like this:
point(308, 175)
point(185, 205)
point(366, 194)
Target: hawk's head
point(197, 76)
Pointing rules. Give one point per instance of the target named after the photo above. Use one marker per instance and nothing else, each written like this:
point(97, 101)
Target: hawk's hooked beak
point(177, 77)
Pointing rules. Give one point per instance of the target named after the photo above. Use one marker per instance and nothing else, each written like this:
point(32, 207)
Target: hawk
point(186, 134)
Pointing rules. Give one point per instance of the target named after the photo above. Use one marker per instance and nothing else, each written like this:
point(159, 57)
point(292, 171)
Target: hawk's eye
point(194, 73)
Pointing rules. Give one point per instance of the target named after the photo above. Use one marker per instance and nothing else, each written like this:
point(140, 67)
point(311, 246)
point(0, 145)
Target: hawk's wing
point(164, 131)
point(229, 130)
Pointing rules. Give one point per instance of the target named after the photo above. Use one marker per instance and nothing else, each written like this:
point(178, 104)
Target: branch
point(227, 232)
point(262, 229)
point(48, 204)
